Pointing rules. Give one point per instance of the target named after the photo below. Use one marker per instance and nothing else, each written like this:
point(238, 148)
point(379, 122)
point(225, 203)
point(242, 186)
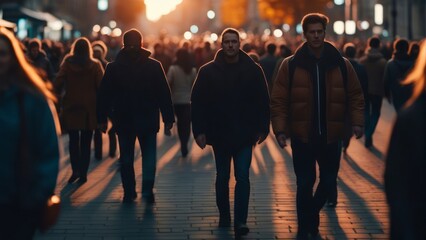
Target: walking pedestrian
point(230, 112)
point(405, 162)
point(77, 83)
point(395, 71)
point(133, 91)
point(374, 64)
point(181, 77)
point(315, 88)
point(29, 147)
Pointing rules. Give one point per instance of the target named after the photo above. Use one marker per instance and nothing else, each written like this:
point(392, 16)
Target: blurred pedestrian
point(230, 112)
point(374, 64)
point(405, 162)
point(395, 72)
point(133, 91)
point(349, 50)
point(268, 62)
point(313, 92)
point(181, 77)
point(77, 83)
point(100, 51)
point(39, 59)
point(28, 142)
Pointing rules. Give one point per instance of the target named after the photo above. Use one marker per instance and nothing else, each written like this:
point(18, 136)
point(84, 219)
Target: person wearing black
point(230, 112)
point(405, 168)
point(133, 91)
point(395, 72)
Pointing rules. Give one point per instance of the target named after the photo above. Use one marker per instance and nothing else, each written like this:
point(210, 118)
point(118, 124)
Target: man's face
point(315, 34)
point(230, 44)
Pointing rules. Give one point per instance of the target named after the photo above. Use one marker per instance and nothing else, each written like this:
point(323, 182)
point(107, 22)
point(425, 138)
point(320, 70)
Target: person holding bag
point(29, 146)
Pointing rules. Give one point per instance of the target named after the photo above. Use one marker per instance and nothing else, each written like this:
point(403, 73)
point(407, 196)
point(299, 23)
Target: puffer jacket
point(292, 111)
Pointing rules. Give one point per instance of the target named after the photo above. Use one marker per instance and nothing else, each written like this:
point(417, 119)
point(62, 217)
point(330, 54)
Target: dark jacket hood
point(374, 54)
point(128, 56)
point(219, 58)
point(330, 57)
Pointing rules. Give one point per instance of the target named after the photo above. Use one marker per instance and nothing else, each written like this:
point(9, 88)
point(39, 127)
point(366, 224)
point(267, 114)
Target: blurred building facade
point(401, 18)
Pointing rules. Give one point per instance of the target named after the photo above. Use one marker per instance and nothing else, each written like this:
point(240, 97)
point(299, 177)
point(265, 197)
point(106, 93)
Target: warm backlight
point(157, 8)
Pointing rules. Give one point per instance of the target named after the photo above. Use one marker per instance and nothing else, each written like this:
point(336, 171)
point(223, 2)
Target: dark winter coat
point(405, 173)
point(134, 90)
point(395, 72)
point(230, 102)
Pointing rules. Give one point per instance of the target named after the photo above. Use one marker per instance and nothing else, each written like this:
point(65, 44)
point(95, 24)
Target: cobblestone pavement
point(185, 205)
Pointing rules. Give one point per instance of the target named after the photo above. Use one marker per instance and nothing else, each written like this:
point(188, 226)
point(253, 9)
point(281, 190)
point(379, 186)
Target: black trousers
point(183, 115)
point(305, 157)
point(79, 148)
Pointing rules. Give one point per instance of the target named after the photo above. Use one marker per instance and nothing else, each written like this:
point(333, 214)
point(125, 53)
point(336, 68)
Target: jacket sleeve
point(43, 135)
point(165, 98)
point(198, 103)
point(355, 96)
point(263, 102)
point(280, 100)
point(105, 95)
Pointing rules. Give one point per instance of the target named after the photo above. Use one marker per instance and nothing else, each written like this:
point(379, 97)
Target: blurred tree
point(234, 13)
point(291, 12)
point(128, 11)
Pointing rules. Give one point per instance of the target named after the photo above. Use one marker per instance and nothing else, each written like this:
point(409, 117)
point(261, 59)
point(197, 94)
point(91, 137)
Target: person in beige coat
point(76, 84)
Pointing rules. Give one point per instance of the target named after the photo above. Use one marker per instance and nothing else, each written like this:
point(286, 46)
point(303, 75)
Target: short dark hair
point(374, 42)
point(271, 47)
point(312, 18)
point(400, 45)
point(229, 30)
point(349, 50)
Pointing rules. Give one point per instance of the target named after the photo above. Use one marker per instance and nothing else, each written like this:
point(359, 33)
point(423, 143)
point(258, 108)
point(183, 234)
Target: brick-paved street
point(185, 205)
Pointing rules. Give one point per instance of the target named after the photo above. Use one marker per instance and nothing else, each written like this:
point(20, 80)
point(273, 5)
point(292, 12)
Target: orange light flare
point(157, 8)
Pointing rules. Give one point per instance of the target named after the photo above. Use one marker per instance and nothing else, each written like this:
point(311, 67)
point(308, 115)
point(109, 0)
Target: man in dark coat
point(230, 112)
point(134, 89)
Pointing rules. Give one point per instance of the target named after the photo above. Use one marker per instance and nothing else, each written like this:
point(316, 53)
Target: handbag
point(51, 209)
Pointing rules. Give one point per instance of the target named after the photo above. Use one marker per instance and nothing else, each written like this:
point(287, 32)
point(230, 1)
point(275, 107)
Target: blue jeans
point(305, 157)
point(148, 144)
point(242, 162)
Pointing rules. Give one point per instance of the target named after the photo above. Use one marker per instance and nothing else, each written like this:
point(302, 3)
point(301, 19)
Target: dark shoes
point(82, 180)
point(241, 229)
point(308, 236)
point(331, 204)
point(73, 178)
point(149, 198)
point(368, 142)
point(224, 221)
point(129, 197)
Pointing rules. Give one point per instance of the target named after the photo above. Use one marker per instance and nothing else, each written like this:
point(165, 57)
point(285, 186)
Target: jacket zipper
point(319, 101)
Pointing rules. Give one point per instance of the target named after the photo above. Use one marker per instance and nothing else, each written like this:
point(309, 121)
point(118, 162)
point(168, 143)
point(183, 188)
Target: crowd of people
point(315, 92)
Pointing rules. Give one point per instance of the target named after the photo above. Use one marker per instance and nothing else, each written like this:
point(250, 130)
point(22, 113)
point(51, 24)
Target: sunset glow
point(157, 8)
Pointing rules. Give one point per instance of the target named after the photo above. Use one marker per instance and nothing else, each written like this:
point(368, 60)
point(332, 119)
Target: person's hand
point(103, 127)
point(281, 139)
point(201, 141)
point(358, 131)
point(167, 129)
point(261, 137)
